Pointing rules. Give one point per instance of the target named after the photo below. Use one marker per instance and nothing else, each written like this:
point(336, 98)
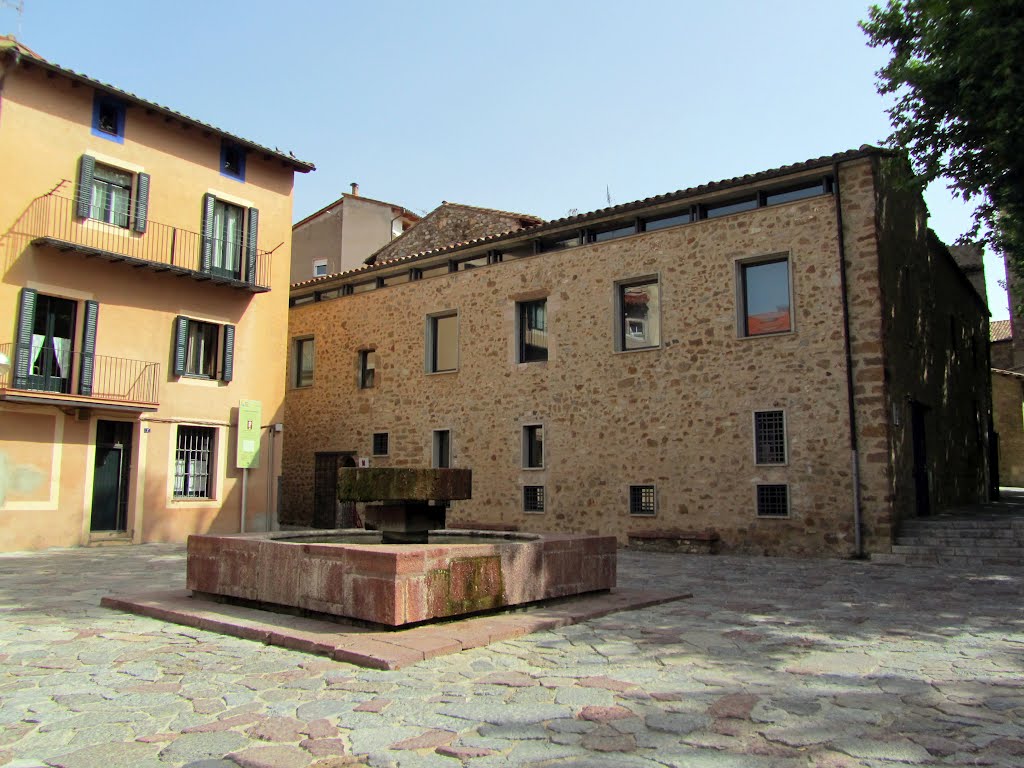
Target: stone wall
point(1001, 354)
point(679, 416)
point(451, 223)
point(1008, 415)
point(936, 355)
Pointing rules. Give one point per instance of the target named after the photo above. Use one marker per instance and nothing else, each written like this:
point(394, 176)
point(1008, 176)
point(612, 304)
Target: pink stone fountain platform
point(397, 585)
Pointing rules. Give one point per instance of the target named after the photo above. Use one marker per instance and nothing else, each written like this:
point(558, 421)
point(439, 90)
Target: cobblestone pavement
point(773, 662)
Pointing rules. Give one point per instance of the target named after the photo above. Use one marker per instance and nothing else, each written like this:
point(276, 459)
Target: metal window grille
point(770, 437)
point(533, 498)
point(641, 499)
point(380, 444)
point(193, 459)
point(772, 500)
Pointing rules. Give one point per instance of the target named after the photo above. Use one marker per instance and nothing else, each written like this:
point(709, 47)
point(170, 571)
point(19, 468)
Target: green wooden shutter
point(180, 344)
point(86, 169)
point(227, 370)
point(206, 257)
point(141, 203)
point(251, 234)
point(23, 345)
point(92, 309)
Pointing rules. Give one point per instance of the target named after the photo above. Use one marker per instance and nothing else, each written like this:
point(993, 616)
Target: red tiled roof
point(999, 330)
point(768, 322)
point(865, 150)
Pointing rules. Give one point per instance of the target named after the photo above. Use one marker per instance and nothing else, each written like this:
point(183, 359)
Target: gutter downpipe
point(851, 406)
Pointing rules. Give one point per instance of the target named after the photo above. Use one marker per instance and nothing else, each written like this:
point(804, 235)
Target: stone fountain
point(405, 574)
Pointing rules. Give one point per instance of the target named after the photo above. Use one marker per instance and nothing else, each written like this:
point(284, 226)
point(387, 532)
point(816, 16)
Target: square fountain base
point(397, 585)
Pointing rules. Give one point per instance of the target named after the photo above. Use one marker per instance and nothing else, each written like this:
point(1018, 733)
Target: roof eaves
point(865, 150)
point(301, 166)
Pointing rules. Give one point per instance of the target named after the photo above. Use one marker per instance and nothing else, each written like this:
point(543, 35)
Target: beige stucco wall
point(679, 416)
point(45, 126)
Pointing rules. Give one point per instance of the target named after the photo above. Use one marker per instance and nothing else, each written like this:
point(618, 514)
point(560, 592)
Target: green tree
point(957, 76)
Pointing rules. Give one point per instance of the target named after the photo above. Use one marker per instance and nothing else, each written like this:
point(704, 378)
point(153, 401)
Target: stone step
point(959, 524)
point(922, 540)
point(895, 558)
point(979, 552)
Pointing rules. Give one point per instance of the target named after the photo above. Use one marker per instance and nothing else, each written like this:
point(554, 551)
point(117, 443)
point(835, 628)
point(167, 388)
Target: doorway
point(922, 488)
point(328, 512)
point(111, 476)
point(53, 331)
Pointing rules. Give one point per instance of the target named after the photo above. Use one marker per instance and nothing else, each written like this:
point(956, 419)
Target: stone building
point(140, 305)
point(789, 359)
point(342, 234)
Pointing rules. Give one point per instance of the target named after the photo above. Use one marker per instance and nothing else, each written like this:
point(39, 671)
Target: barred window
point(769, 437)
point(642, 499)
point(533, 498)
point(193, 463)
point(380, 443)
point(773, 500)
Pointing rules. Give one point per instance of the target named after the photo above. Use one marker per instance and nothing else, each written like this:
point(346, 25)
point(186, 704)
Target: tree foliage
point(957, 76)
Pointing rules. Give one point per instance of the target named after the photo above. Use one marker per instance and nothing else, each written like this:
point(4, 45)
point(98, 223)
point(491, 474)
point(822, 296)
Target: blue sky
point(537, 107)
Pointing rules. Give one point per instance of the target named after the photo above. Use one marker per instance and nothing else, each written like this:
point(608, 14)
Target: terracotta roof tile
point(999, 330)
point(865, 150)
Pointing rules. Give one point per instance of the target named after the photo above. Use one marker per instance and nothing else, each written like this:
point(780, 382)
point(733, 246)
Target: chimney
point(355, 189)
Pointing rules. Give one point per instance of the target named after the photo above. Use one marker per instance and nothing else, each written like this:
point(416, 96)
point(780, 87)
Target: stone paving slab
point(773, 663)
point(392, 649)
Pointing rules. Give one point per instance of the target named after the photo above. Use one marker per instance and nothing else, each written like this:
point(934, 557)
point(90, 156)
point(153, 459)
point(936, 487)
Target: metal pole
point(245, 477)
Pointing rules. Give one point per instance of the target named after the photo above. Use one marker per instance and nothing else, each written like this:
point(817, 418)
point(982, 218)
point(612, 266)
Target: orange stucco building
point(145, 261)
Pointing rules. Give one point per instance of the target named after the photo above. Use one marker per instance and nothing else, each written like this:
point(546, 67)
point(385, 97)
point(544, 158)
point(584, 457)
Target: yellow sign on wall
point(250, 414)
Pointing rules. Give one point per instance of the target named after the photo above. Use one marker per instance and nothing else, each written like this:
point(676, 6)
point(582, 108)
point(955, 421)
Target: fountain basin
point(398, 584)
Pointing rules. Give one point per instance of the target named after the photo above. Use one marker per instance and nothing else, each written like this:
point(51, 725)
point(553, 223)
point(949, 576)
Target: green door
point(111, 476)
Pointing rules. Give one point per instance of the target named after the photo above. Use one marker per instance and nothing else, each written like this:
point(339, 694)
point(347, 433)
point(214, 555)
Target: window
point(773, 500)
point(714, 210)
point(442, 342)
point(639, 312)
point(442, 449)
point(533, 498)
point(229, 233)
point(111, 196)
point(769, 437)
point(601, 235)
point(193, 463)
point(798, 192)
point(196, 349)
point(319, 267)
point(533, 331)
point(232, 161)
point(533, 446)
point(105, 194)
point(305, 361)
point(367, 368)
point(764, 297)
point(642, 500)
point(108, 118)
point(228, 225)
point(380, 443)
point(672, 220)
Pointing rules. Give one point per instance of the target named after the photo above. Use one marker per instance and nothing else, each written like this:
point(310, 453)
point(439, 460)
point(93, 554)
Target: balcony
point(51, 220)
point(58, 376)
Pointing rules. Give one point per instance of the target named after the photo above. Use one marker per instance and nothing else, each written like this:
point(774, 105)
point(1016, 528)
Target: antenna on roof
point(19, 8)
point(608, 195)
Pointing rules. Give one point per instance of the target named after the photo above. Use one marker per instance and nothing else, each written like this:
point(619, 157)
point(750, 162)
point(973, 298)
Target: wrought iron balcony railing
point(52, 368)
point(52, 220)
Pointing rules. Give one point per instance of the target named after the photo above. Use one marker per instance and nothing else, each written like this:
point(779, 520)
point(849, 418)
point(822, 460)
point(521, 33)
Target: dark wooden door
point(922, 490)
point(328, 512)
point(111, 476)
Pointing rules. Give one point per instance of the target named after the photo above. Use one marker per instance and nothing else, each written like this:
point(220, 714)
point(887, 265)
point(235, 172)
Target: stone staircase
point(986, 539)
